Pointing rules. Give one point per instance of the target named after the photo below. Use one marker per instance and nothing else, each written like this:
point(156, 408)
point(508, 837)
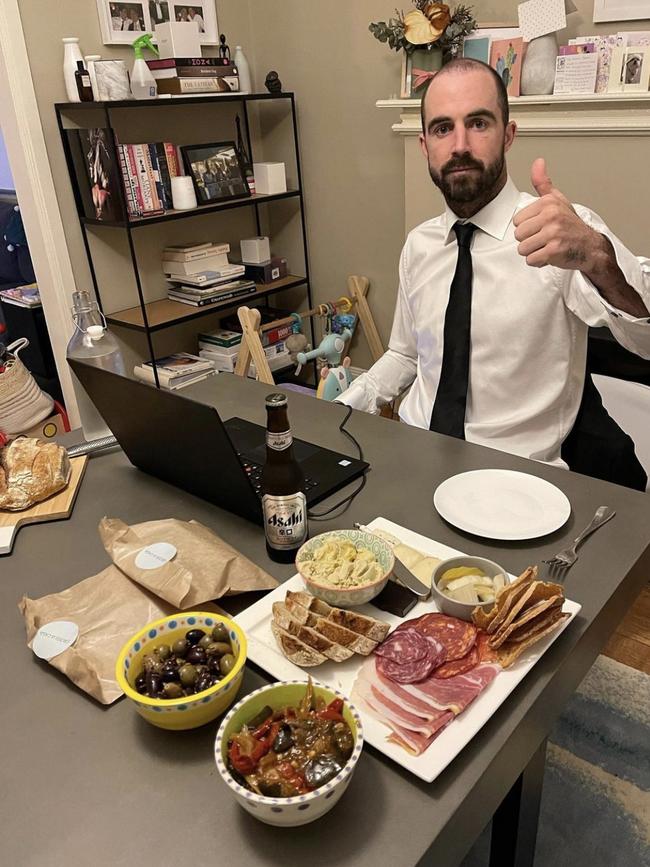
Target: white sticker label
point(55, 637)
point(154, 556)
point(285, 520)
point(279, 441)
point(344, 463)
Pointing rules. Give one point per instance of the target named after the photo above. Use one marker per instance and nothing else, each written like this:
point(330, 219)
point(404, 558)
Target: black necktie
point(448, 416)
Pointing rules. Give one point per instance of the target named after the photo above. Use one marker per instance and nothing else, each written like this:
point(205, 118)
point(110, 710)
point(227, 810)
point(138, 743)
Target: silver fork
point(564, 559)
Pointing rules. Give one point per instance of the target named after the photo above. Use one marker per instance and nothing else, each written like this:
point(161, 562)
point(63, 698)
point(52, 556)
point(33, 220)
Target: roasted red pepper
point(333, 711)
point(293, 777)
point(246, 764)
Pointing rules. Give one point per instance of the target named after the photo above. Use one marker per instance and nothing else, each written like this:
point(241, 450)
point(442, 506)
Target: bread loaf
point(31, 471)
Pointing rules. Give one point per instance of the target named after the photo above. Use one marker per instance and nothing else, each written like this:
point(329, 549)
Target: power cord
point(347, 502)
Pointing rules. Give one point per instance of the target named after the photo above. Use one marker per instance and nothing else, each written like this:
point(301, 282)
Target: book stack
point(147, 170)
point(176, 371)
point(22, 296)
point(201, 274)
point(222, 348)
point(184, 76)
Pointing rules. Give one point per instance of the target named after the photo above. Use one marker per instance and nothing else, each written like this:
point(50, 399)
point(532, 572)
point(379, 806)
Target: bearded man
point(496, 296)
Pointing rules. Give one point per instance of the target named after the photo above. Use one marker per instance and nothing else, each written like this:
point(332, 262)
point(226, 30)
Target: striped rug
point(595, 808)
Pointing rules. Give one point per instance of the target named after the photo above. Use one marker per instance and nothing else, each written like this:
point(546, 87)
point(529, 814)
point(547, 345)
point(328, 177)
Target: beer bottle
point(284, 504)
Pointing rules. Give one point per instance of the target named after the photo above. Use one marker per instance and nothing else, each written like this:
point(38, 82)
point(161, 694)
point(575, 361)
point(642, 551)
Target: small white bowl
point(286, 812)
point(347, 597)
point(463, 610)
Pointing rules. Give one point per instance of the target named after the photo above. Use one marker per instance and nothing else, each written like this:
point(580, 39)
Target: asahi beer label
point(285, 520)
point(279, 441)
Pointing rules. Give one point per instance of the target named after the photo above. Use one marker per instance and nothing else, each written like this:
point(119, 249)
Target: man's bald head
point(463, 65)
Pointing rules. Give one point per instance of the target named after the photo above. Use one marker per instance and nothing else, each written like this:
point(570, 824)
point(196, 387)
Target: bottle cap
point(276, 400)
point(95, 332)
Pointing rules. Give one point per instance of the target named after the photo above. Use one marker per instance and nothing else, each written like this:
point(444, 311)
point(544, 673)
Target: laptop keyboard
point(254, 472)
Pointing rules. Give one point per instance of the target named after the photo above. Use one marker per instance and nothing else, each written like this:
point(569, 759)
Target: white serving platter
point(263, 651)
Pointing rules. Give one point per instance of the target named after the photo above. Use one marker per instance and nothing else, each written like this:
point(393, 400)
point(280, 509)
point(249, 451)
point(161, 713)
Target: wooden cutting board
point(53, 509)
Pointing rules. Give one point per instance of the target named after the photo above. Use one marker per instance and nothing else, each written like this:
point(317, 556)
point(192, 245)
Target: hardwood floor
point(630, 643)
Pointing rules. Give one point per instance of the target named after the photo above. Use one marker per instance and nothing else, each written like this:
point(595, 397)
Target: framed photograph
point(636, 69)
point(621, 10)
point(122, 22)
point(216, 171)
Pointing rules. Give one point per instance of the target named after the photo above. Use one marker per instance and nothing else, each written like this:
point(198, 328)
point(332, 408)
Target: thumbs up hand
point(550, 232)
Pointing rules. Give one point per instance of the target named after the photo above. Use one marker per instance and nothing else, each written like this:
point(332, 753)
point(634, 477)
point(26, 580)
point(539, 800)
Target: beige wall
point(353, 164)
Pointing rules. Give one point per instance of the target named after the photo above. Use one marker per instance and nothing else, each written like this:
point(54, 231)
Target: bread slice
point(283, 618)
point(376, 630)
point(311, 603)
point(345, 637)
point(296, 650)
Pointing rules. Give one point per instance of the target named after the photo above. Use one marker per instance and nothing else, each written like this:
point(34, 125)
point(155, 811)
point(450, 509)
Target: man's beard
point(475, 188)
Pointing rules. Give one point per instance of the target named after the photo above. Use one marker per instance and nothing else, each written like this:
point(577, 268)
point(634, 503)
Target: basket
point(22, 403)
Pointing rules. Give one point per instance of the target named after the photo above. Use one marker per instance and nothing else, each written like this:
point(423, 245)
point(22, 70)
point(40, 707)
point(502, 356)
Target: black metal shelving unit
point(153, 316)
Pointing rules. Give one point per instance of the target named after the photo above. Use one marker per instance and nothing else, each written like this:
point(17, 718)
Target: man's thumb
point(540, 180)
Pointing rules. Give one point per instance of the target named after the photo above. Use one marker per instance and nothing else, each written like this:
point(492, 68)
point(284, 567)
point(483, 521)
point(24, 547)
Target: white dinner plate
point(502, 504)
point(264, 651)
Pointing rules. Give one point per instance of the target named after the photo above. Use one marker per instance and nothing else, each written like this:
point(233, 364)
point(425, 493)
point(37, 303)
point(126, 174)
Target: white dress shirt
point(528, 339)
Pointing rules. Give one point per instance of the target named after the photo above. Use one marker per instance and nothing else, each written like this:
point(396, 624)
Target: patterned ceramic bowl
point(463, 610)
point(346, 597)
point(286, 812)
point(195, 710)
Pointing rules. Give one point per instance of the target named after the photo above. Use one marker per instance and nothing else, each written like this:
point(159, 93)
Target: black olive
point(154, 682)
point(203, 681)
point(283, 740)
point(321, 770)
point(213, 664)
point(215, 678)
point(344, 740)
point(196, 655)
point(169, 671)
point(194, 636)
point(180, 647)
point(141, 683)
point(218, 648)
point(220, 632)
point(261, 717)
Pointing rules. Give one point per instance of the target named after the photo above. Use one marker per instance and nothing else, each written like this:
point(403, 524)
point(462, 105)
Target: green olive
point(187, 674)
point(180, 647)
point(205, 642)
point(172, 690)
point(220, 632)
point(218, 648)
point(163, 651)
point(227, 663)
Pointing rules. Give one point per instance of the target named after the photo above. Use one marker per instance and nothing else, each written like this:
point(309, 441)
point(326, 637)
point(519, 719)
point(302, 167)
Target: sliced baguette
point(345, 637)
point(283, 618)
point(296, 650)
point(359, 623)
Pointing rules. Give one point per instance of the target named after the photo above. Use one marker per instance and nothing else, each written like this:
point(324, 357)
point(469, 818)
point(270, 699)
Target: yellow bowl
point(194, 710)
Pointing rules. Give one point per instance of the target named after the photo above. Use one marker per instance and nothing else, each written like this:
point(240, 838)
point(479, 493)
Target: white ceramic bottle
point(245, 83)
point(71, 55)
point(90, 60)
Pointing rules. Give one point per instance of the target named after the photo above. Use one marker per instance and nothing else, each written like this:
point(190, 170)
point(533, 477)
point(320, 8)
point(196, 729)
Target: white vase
point(71, 54)
point(538, 67)
point(245, 83)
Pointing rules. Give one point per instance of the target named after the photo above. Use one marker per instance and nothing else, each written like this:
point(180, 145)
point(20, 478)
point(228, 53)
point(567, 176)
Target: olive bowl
point(301, 809)
point(194, 710)
point(358, 594)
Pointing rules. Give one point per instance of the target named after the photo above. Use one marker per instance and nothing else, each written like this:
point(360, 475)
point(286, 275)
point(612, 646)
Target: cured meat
point(406, 656)
point(406, 672)
point(485, 652)
point(456, 636)
point(458, 666)
point(405, 645)
point(454, 693)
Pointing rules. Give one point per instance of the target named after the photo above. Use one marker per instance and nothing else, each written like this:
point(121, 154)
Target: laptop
point(185, 442)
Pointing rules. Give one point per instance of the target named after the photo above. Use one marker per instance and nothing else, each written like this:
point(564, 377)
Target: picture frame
point(621, 10)
point(629, 70)
point(122, 21)
point(216, 170)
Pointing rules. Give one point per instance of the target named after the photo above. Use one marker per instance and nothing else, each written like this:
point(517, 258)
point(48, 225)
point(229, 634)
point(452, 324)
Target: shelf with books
point(166, 313)
point(135, 222)
point(172, 100)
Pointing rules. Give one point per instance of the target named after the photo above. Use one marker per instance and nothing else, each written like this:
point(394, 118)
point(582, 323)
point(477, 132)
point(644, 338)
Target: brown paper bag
point(204, 567)
point(108, 609)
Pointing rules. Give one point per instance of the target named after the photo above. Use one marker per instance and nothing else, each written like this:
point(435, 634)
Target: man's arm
point(396, 369)
point(550, 232)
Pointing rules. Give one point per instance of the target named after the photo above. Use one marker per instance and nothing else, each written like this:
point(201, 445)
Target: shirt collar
point(493, 219)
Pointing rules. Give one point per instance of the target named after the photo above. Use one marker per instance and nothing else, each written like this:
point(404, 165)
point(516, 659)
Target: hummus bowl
point(346, 579)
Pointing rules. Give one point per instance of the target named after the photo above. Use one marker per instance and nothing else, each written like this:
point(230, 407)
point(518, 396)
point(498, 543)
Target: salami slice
point(485, 652)
point(458, 666)
point(456, 636)
point(407, 645)
point(407, 672)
